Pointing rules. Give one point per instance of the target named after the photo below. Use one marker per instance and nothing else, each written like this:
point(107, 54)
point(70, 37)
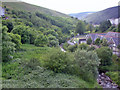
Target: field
point(34, 75)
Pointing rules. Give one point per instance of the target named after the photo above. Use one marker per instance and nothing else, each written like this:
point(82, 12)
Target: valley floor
point(38, 77)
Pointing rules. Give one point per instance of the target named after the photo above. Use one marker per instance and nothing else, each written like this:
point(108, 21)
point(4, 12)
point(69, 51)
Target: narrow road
point(62, 49)
point(70, 43)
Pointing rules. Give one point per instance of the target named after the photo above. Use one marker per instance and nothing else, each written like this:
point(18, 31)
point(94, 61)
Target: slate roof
point(116, 40)
point(115, 36)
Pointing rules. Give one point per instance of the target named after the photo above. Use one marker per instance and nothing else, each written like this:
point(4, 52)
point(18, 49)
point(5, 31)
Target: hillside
point(32, 8)
point(103, 15)
point(39, 16)
point(81, 15)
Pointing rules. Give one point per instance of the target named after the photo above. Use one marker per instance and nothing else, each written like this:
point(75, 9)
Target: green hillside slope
point(103, 15)
point(32, 8)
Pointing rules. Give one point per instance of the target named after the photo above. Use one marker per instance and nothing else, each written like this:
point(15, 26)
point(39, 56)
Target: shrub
point(72, 48)
point(86, 64)
point(52, 41)
point(104, 42)
point(115, 76)
point(83, 46)
point(65, 46)
point(91, 48)
point(41, 40)
point(12, 70)
point(8, 47)
point(15, 38)
point(58, 61)
point(32, 63)
point(97, 41)
point(89, 41)
point(105, 54)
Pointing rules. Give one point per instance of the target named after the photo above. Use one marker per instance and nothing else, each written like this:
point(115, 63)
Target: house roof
point(116, 41)
point(115, 36)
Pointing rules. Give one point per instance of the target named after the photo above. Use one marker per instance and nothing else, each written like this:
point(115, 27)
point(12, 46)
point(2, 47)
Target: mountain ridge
point(81, 14)
point(100, 16)
point(33, 8)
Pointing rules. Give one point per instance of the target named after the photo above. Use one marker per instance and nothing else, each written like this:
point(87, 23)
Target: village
point(112, 38)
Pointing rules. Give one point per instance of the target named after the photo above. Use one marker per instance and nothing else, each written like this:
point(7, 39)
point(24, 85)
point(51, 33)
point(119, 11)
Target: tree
point(9, 24)
point(83, 46)
point(87, 63)
point(52, 41)
point(72, 48)
point(8, 47)
point(104, 42)
point(97, 41)
point(89, 41)
point(105, 54)
point(105, 25)
point(58, 61)
point(91, 48)
point(41, 40)
point(52, 32)
point(80, 28)
point(24, 32)
point(89, 27)
point(16, 39)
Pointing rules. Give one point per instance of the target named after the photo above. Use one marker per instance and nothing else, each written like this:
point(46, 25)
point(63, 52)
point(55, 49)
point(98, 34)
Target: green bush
point(42, 78)
point(32, 63)
point(104, 42)
point(41, 40)
point(15, 38)
point(86, 64)
point(89, 41)
point(72, 48)
point(58, 61)
point(52, 41)
point(97, 41)
point(91, 48)
point(8, 47)
point(115, 76)
point(65, 46)
point(83, 46)
point(105, 54)
point(12, 70)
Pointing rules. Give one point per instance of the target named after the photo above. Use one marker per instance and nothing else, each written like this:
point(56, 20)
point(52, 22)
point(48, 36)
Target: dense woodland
point(32, 57)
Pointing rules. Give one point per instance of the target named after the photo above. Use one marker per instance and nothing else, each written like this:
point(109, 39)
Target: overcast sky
point(74, 6)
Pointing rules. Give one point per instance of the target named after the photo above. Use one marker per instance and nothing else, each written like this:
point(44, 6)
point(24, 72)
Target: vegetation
point(89, 41)
point(31, 56)
point(104, 42)
point(115, 76)
point(104, 26)
point(8, 47)
point(87, 63)
point(83, 46)
point(80, 28)
point(31, 37)
point(105, 55)
point(73, 48)
point(97, 41)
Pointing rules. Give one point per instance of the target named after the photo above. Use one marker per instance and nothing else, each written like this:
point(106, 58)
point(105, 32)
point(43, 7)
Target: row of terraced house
point(113, 39)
